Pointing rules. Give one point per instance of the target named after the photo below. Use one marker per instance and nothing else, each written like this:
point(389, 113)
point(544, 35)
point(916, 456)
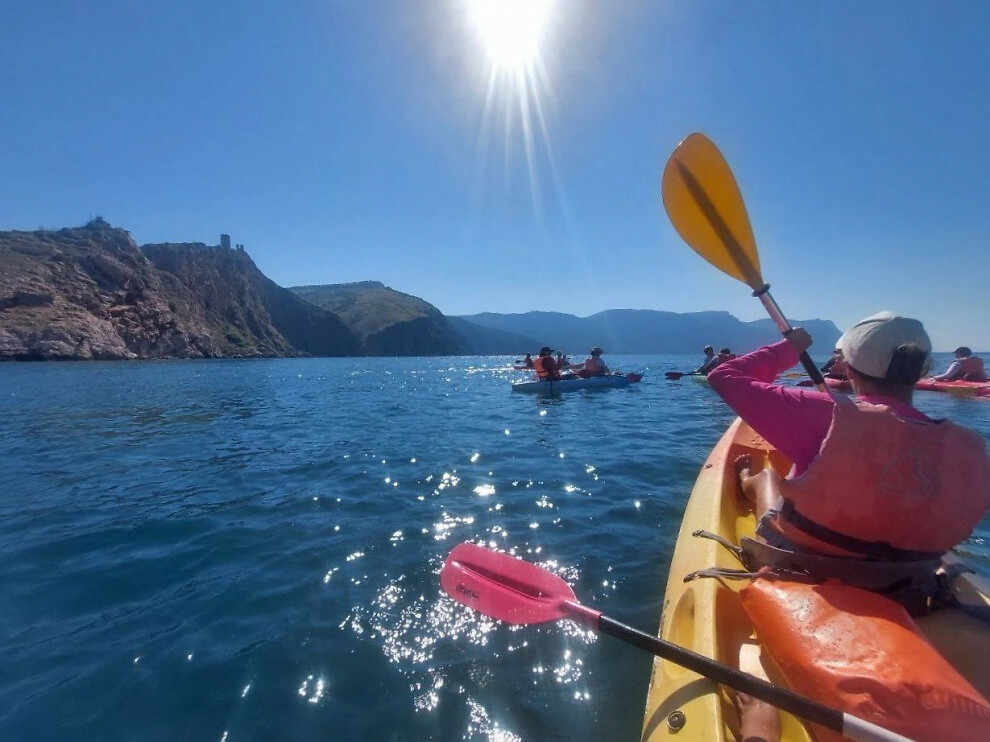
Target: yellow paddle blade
point(706, 208)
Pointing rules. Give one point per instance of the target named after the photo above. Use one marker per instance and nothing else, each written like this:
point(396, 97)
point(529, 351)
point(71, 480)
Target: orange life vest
point(971, 369)
point(887, 488)
point(542, 372)
point(860, 653)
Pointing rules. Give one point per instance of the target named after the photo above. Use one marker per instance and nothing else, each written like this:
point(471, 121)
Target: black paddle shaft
point(763, 294)
point(727, 676)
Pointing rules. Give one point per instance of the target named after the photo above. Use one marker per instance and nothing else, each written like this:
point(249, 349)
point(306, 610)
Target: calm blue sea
point(249, 550)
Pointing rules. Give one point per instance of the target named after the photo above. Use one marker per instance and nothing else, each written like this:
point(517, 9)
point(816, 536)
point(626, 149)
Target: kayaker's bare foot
point(744, 466)
point(758, 720)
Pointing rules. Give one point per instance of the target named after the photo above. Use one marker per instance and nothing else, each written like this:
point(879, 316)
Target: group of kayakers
point(548, 366)
point(874, 479)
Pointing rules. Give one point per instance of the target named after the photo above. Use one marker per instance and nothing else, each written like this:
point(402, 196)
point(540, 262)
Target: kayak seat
point(919, 586)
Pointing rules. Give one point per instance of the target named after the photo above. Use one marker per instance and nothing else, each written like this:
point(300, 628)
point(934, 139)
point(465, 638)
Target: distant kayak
point(960, 388)
point(700, 379)
point(575, 383)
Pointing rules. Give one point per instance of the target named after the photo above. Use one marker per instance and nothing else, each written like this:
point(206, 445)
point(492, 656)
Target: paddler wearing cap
point(593, 365)
point(874, 479)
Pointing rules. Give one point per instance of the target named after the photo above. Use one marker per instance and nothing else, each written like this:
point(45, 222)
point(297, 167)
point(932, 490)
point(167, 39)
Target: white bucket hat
point(869, 345)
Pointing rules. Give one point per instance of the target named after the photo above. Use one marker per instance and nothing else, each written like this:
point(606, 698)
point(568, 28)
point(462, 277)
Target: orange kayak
point(707, 615)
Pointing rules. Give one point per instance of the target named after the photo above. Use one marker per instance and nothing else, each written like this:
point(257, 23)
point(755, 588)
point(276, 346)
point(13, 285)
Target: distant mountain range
point(92, 293)
point(641, 331)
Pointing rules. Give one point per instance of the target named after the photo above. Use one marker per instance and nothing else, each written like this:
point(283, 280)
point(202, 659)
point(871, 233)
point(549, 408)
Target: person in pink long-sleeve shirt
point(885, 355)
point(793, 419)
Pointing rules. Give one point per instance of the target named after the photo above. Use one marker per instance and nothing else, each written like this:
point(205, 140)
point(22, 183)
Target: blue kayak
point(546, 386)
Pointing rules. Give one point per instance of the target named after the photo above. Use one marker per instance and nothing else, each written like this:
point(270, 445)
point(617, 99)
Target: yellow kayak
point(706, 615)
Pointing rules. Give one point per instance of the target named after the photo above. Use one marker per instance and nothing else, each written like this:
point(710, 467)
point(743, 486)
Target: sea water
point(250, 550)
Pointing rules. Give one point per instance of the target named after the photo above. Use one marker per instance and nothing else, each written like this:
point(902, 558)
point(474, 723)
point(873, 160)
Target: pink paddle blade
point(509, 589)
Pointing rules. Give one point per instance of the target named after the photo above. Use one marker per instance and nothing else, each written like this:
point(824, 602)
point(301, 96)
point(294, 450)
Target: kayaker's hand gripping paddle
point(706, 208)
point(511, 590)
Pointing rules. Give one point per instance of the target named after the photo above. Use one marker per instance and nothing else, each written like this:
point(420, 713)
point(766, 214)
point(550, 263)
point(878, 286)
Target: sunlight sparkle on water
point(447, 480)
point(447, 523)
point(318, 689)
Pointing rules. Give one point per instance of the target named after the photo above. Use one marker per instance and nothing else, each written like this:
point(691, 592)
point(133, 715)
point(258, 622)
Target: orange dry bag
point(861, 653)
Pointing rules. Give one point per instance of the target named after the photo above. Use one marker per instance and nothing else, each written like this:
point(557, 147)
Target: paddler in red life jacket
point(966, 366)
point(593, 365)
point(874, 481)
point(545, 366)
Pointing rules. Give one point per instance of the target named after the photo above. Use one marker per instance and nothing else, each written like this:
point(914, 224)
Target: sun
point(511, 30)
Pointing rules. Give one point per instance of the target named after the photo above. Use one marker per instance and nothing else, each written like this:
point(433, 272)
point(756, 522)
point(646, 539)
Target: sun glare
point(511, 29)
point(520, 38)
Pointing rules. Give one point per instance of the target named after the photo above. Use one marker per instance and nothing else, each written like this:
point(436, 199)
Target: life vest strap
point(874, 550)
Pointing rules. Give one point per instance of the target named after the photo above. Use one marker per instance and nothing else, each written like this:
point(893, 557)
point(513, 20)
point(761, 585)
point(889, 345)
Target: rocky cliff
point(248, 314)
point(91, 293)
point(87, 293)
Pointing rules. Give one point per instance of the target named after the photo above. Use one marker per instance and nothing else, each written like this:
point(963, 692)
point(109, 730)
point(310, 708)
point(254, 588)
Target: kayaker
point(724, 355)
point(966, 367)
point(528, 361)
point(709, 362)
point(835, 367)
point(863, 446)
point(545, 365)
point(815, 518)
point(593, 365)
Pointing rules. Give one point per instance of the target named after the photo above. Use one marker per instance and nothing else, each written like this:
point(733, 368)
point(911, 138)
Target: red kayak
point(959, 388)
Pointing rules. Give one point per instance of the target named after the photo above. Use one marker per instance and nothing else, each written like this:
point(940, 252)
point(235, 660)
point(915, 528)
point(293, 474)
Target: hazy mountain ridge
point(645, 331)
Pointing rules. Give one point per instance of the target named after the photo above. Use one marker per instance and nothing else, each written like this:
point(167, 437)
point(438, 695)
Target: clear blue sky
point(347, 140)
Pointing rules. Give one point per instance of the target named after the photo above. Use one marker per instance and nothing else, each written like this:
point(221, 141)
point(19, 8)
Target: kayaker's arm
point(952, 372)
point(793, 419)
